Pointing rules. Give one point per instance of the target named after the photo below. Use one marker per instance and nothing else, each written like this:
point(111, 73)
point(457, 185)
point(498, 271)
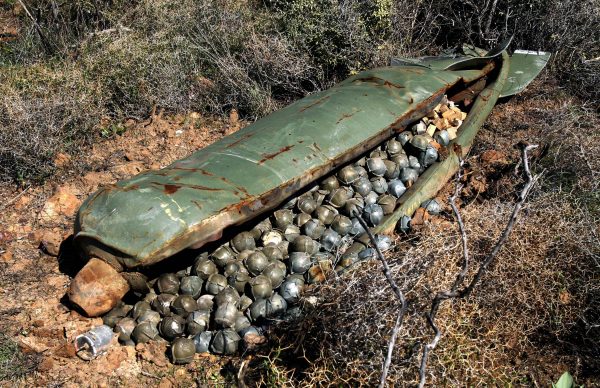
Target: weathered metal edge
point(436, 176)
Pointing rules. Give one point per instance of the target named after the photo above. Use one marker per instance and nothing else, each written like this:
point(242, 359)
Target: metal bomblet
point(396, 188)
point(241, 322)
point(162, 304)
point(376, 166)
point(203, 268)
point(215, 284)
point(276, 305)
point(362, 171)
point(206, 302)
point(373, 213)
point(171, 327)
point(339, 196)
point(124, 328)
point(300, 262)
point(223, 256)
point(341, 224)
point(244, 303)
point(261, 287)
point(362, 186)
point(404, 137)
point(442, 137)
point(226, 315)
point(183, 305)
point(305, 244)
point(197, 322)
point(258, 309)
point(272, 253)
point(313, 228)
point(302, 218)
point(139, 308)
point(275, 273)
point(392, 171)
point(291, 232)
point(354, 206)
point(291, 289)
point(283, 218)
point(387, 203)
point(409, 176)
point(243, 241)
point(432, 206)
point(404, 224)
point(347, 175)
point(401, 161)
point(377, 153)
point(419, 142)
point(413, 163)
point(202, 341)
point(329, 184)
point(428, 157)
point(183, 351)
point(151, 316)
point(256, 262)
point(379, 185)
point(225, 342)
point(144, 332)
point(168, 283)
point(227, 295)
point(272, 237)
point(330, 240)
point(239, 280)
point(191, 285)
point(307, 204)
point(326, 214)
point(393, 147)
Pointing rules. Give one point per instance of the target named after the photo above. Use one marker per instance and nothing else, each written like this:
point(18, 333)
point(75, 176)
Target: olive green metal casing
point(156, 214)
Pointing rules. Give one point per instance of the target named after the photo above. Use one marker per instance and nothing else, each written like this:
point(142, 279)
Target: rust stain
point(346, 116)
point(274, 154)
point(379, 81)
point(198, 204)
point(246, 136)
point(171, 189)
point(240, 188)
point(317, 102)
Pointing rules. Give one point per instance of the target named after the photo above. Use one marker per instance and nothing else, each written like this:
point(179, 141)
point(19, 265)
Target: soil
point(37, 260)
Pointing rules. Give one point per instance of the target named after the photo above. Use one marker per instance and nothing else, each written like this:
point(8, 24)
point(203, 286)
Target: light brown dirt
point(34, 222)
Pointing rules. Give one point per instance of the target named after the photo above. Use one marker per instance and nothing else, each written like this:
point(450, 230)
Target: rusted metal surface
point(156, 214)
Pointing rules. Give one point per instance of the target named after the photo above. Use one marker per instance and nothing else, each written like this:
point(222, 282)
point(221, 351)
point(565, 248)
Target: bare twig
point(454, 292)
point(14, 199)
point(388, 275)
point(37, 27)
point(242, 372)
point(147, 374)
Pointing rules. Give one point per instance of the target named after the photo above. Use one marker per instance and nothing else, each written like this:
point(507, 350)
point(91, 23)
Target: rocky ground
point(37, 262)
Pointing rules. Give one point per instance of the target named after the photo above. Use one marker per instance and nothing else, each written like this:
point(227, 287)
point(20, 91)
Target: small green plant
point(111, 130)
point(13, 362)
point(565, 381)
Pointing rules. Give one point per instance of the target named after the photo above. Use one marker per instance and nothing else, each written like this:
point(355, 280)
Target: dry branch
point(399, 295)
point(454, 292)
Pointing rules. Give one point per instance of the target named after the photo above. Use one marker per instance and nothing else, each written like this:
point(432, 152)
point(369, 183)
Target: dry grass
point(106, 61)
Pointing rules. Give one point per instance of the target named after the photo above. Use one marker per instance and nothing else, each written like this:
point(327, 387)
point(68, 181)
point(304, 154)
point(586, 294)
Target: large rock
point(64, 203)
point(97, 288)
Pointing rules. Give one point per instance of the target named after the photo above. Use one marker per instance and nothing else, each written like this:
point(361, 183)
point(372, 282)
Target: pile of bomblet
point(221, 302)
